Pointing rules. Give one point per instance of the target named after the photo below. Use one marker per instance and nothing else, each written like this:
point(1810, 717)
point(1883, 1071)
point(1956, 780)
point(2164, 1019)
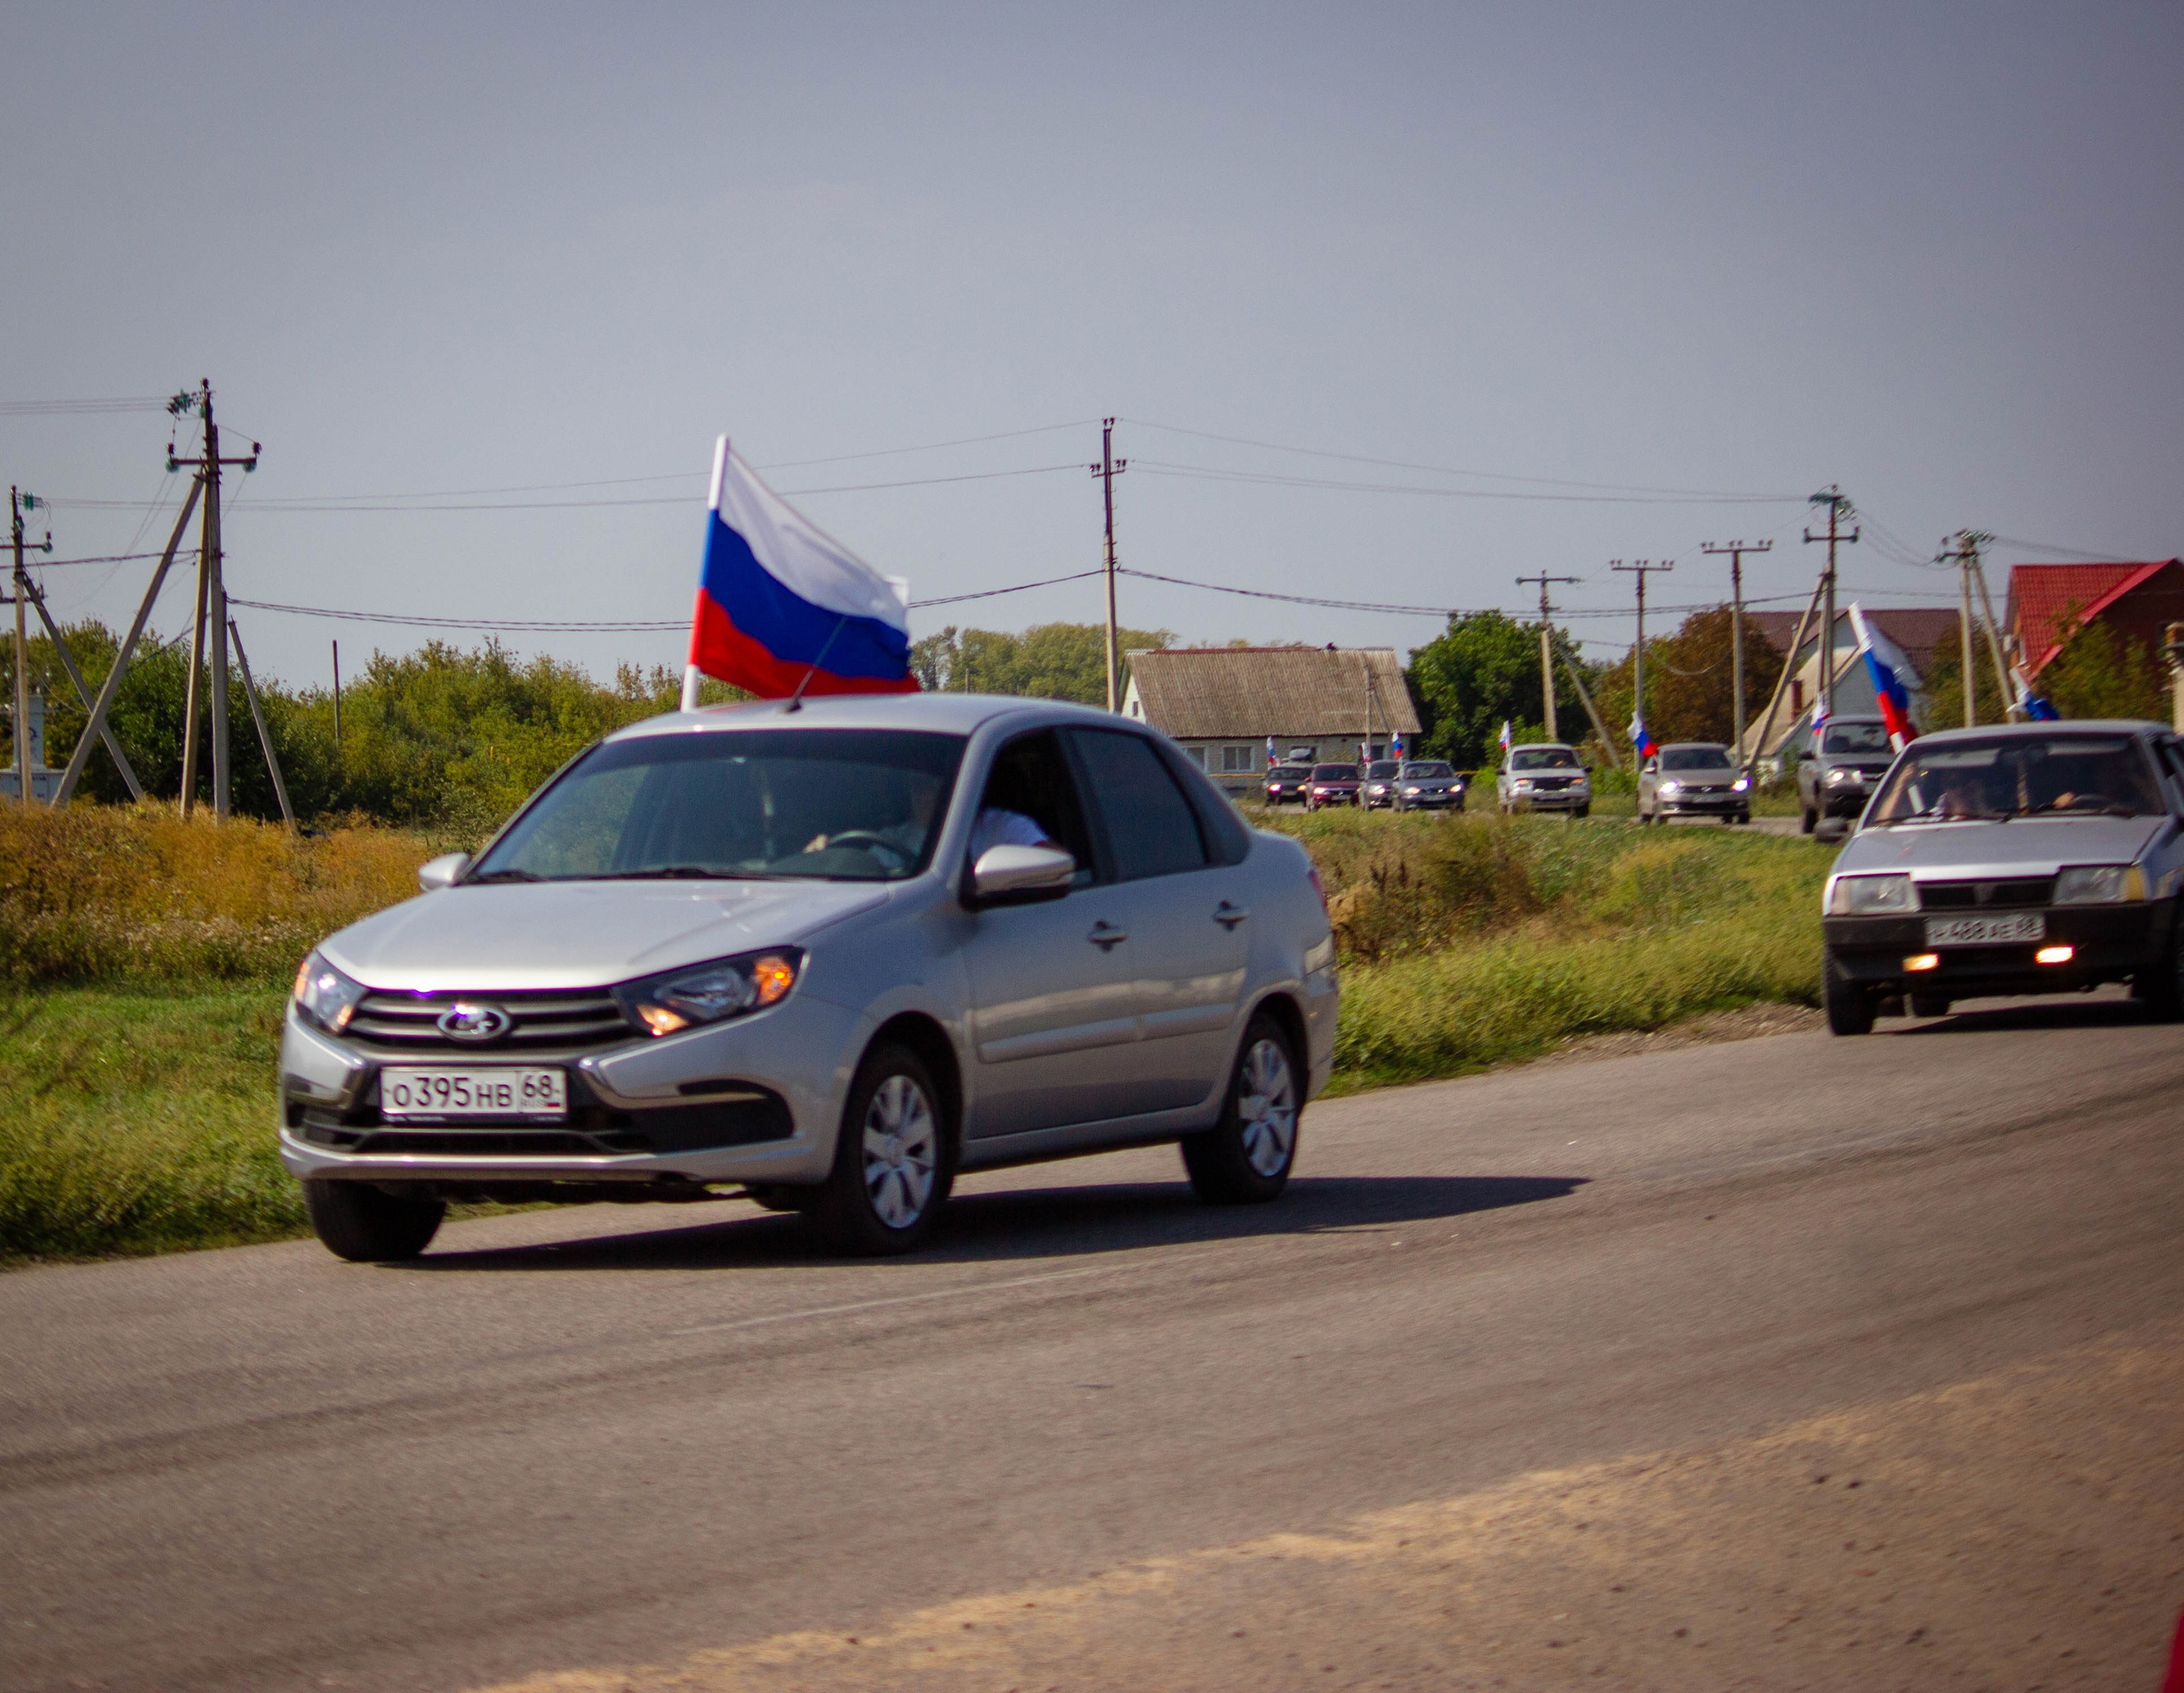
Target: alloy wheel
point(901, 1151)
point(1266, 1107)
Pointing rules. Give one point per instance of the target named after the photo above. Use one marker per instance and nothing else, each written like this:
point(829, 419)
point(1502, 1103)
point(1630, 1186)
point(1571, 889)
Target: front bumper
point(2108, 943)
point(754, 1100)
point(1844, 802)
point(1722, 805)
point(1332, 797)
point(1554, 800)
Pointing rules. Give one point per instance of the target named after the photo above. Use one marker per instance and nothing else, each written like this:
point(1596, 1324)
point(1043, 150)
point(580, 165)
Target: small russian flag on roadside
point(1642, 738)
point(783, 608)
point(1887, 667)
point(1505, 735)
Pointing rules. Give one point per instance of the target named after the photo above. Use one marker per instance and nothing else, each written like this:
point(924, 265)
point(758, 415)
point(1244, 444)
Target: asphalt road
point(1789, 1362)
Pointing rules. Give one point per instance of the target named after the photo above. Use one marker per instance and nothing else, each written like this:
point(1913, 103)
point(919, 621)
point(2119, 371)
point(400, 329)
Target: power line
point(80, 408)
point(2084, 553)
point(1207, 473)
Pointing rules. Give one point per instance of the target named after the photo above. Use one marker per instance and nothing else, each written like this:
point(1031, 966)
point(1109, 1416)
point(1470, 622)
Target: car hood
point(506, 936)
point(2021, 847)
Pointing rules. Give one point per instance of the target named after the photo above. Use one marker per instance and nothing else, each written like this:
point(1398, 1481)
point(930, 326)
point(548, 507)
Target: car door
point(1188, 918)
point(1053, 1015)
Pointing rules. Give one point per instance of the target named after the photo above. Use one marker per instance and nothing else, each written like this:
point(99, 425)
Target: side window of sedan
point(1150, 826)
point(1030, 782)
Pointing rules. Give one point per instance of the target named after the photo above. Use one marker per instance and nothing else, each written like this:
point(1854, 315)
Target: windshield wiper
point(508, 875)
point(682, 873)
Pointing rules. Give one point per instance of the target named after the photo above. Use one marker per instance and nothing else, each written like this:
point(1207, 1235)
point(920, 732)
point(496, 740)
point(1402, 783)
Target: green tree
point(2101, 673)
point(1048, 661)
point(1484, 670)
point(1944, 691)
point(1690, 680)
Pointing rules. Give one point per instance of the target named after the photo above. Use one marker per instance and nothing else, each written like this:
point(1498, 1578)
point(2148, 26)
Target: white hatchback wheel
point(901, 1151)
point(1266, 1107)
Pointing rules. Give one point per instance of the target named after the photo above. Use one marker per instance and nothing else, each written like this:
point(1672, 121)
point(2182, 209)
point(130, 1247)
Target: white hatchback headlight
point(325, 996)
point(1861, 896)
point(1671, 786)
point(1739, 785)
point(2100, 884)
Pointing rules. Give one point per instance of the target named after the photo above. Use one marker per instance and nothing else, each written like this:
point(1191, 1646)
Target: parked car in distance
point(1840, 767)
point(1286, 785)
point(1331, 785)
point(1693, 779)
point(2036, 857)
point(1543, 776)
point(1428, 785)
point(826, 961)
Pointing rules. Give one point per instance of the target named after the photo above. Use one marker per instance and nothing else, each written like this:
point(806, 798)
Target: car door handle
point(1228, 915)
point(1106, 936)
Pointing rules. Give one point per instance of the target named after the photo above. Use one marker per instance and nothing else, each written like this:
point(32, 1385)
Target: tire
point(2164, 995)
point(1810, 820)
point(1850, 1007)
point(1585, 809)
point(1246, 1159)
point(1930, 1005)
point(366, 1225)
point(1741, 819)
point(894, 1161)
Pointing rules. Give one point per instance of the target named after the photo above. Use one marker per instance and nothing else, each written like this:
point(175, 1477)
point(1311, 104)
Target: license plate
point(1985, 931)
point(444, 1095)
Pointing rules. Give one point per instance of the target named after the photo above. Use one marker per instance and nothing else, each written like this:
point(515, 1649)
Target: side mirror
point(1020, 875)
point(434, 874)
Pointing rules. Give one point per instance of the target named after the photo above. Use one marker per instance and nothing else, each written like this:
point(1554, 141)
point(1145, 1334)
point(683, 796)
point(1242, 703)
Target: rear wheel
point(893, 1161)
point(364, 1225)
point(1246, 1159)
point(1850, 1006)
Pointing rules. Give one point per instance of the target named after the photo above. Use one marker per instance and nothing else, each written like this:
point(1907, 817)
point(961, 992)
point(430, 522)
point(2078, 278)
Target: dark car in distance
point(1286, 785)
point(1332, 785)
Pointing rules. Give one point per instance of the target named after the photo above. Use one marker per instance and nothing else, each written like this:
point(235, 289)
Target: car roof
point(941, 713)
point(1542, 746)
point(1695, 746)
point(2075, 725)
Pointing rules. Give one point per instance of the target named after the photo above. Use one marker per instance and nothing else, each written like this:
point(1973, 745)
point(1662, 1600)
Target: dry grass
point(135, 893)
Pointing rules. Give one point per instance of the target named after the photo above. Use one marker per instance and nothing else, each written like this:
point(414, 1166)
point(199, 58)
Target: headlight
point(1739, 785)
point(707, 993)
point(1521, 784)
point(2100, 884)
point(325, 996)
point(1839, 776)
point(1871, 895)
point(1671, 786)
point(1410, 790)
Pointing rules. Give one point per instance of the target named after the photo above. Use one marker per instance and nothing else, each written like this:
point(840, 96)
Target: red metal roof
point(2049, 602)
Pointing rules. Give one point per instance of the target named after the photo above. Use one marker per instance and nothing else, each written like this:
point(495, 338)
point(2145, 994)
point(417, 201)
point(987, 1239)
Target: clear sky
point(1931, 253)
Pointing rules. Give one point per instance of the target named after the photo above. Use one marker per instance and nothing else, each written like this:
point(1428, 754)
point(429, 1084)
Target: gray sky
point(1930, 253)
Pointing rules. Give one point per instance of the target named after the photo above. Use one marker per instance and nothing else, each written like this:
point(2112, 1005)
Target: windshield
point(1695, 758)
point(1856, 737)
point(1427, 768)
point(2029, 776)
point(1542, 758)
point(1334, 772)
point(1289, 772)
point(1381, 768)
point(857, 805)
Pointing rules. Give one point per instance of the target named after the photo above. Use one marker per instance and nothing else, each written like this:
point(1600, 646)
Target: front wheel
point(1850, 1006)
point(893, 1162)
point(1930, 1005)
point(1810, 820)
point(1585, 809)
point(366, 1225)
point(2161, 990)
point(1246, 1158)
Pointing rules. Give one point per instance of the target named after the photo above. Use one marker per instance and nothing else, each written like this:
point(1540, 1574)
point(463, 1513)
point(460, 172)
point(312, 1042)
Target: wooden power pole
point(1638, 651)
point(212, 618)
point(1106, 470)
point(18, 503)
point(1736, 551)
point(1838, 509)
point(1547, 648)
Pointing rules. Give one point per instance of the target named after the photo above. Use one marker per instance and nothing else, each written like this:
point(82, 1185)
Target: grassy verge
point(139, 1112)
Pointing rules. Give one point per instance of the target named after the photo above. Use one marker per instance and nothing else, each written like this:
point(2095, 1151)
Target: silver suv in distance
point(826, 959)
point(1543, 776)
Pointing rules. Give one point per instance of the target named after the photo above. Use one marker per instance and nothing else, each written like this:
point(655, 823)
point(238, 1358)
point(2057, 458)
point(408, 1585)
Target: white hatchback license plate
point(443, 1095)
point(1985, 931)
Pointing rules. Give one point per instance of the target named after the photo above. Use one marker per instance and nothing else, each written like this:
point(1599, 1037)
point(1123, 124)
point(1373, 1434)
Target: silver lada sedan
point(826, 958)
point(2035, 857)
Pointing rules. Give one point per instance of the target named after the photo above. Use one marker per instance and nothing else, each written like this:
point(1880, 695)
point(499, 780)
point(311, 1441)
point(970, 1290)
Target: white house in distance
point(1320, 704)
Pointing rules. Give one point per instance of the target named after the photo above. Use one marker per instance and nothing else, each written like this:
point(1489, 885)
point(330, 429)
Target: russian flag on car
point(784, 608)
point(1886, 665)
point(1642, 738)
point(2037, 706)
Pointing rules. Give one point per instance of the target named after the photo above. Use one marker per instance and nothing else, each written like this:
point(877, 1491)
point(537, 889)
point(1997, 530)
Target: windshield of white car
point(1427, 769)
point(1696, 757)
point(2044, 776)
point(856, 805)
point(1542, 758)
point(1856, 737)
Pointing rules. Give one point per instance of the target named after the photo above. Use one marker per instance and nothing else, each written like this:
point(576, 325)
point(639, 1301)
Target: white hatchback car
point(826, 958)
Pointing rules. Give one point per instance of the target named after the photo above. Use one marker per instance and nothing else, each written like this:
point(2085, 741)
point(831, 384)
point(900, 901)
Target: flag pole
point(692, 676)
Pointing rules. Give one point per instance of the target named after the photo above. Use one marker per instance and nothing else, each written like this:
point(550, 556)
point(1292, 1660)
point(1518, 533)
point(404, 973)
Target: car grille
point(1547, 785)
point(409, 1023)
point(2025, 890)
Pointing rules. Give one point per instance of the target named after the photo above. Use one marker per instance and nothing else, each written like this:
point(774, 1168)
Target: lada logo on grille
point(464, 1022)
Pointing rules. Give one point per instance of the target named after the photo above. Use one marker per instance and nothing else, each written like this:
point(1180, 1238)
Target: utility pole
point(1638, 652)
point(337, 697)
point(1838, 509)
point(1106, 470)
point(1736, 551)
point(212, 606)
point(2003, 690)
point(1969, 543)
point(1546, 646)
point(18, 503)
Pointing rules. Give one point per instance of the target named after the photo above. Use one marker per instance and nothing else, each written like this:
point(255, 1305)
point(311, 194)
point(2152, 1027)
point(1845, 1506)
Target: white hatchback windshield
point(1542, 758)
point(857, 805)
point(2018, 777)
point(1696, 757)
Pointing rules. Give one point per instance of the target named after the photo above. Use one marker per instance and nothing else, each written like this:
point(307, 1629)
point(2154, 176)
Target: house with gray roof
point(1223, 704)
